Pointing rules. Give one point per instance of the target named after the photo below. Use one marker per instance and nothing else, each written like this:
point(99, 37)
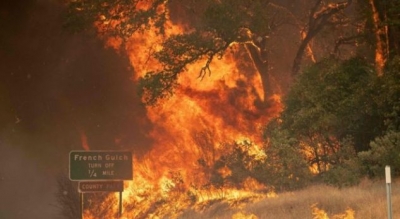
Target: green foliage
point(154, 86)
point(389, 95)
point(114, 17)
point(388, 11)
point(288, 169)
point(385, 150)
point(333, 99)
point(393, 10)
point(222, 24)
point(281, 168)
point(285, 166)
point(346, 168)
point(239, 162)
point(182, 49)
point(178, 51)
point(337, 108)
point(227, 17)
point(333, 110)
point(223, 19)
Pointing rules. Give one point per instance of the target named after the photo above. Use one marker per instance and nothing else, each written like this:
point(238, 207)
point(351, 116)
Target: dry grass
point(365, 201)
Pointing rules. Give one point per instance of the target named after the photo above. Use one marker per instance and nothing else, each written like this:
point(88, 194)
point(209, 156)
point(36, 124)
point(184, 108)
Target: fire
point(321, 214)
point(241, 215)
point(318, 213)
point(192, 127)
point(84, 141)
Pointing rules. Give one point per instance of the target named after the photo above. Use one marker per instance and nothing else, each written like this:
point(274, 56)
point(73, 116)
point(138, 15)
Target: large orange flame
point(192, 125)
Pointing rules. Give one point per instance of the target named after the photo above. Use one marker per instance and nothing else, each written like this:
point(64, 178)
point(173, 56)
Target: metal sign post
point(81, 204)
point(388, 191)
point(110, 167)
point(102, 186)
point(120, 204)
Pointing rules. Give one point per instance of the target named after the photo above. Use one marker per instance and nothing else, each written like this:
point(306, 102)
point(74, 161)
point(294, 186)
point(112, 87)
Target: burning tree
point(219, 26)
point(328, 113)
point(227, 45)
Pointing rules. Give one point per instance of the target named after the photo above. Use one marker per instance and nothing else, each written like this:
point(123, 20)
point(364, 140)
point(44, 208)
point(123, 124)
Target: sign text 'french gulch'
point(100, 165)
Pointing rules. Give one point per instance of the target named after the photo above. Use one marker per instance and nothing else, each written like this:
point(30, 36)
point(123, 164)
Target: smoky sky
point(55, 86)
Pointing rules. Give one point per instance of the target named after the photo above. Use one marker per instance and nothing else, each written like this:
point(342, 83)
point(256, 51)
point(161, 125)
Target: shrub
point(384, 151)
point(285, 167)
point(346, 170)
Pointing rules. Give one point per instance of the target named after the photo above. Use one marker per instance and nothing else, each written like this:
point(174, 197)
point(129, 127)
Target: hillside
point(367, 200)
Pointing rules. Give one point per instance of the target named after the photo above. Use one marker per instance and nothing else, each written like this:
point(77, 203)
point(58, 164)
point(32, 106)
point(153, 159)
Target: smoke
point(54, 86)
point(58, 88)
point(26, 191)
point(57, 85)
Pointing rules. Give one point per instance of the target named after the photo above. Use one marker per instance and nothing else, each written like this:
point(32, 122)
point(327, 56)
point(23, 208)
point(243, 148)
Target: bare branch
point(318, 19)
point(206, 68)
point(351, 40)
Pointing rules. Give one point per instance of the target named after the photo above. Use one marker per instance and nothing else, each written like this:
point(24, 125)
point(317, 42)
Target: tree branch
point(318, 19)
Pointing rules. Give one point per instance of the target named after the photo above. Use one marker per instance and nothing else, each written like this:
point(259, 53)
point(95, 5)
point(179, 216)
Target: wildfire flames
point(321, 214)
point(190, 126)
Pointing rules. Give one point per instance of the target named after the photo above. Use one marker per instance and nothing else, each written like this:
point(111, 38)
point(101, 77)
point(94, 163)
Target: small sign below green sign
point(101, 186)
point(100, 165)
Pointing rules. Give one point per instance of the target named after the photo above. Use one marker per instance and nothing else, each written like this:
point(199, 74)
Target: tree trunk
point(320, 16)
point(380, 36)
point(300, 52)
point(262, 65)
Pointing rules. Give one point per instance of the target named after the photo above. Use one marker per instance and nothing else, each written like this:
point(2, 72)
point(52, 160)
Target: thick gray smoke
point(26, 190)
point(54, 87)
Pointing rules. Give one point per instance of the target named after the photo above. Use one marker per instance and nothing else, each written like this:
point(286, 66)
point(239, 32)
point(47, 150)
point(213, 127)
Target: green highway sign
point(100, 165)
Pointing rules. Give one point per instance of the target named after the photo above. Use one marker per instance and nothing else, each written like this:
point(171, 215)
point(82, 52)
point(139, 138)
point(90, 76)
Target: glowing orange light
point(84, 141)
point(191, 126)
